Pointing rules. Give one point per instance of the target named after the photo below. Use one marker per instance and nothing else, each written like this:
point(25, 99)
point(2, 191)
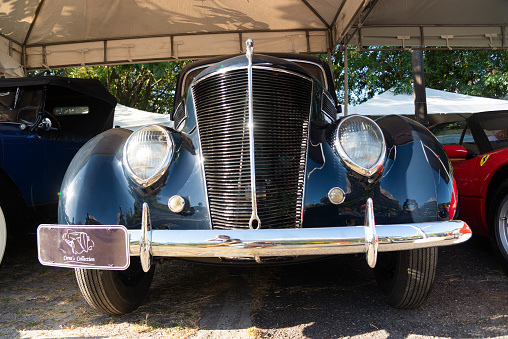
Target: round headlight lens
point(147, 154)
point(360, 143)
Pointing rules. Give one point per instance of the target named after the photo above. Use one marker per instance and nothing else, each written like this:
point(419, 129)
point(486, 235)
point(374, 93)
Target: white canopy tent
point(439, 103)
point(131, 118)
point(38, 34)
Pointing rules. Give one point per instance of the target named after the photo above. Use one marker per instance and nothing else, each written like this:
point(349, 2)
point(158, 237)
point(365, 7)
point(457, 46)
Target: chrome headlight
point(147, 154)
point(360, 143)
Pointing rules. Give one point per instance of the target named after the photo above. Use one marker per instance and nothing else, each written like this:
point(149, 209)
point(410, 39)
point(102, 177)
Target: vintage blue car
point(258, 168)
point(44, 121)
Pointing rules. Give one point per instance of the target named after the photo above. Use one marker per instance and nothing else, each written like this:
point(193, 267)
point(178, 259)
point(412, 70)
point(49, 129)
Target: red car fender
point(487, 166)
point(473, 179)
point(464, 173)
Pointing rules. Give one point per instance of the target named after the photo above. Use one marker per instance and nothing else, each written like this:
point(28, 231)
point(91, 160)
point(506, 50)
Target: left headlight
point(147, 154)
point(360, 143)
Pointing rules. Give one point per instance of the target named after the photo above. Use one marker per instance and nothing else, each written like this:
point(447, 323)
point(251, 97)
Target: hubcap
point(502, 226)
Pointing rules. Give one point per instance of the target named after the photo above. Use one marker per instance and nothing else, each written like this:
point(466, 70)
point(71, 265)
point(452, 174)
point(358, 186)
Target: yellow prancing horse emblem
point(484, 159)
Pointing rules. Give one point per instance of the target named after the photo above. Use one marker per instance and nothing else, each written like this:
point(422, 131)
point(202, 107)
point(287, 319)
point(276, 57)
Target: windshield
point(20, 106)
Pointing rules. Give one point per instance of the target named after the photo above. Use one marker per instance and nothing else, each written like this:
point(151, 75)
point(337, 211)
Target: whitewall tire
point(3, 234)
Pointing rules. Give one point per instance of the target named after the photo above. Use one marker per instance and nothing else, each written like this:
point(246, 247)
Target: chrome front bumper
point(256, 244)
point(109, 247)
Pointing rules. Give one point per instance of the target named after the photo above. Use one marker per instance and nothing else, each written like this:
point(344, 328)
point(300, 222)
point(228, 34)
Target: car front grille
point(281, 105)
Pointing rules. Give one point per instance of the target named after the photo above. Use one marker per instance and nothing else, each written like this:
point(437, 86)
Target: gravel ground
point(334, 298)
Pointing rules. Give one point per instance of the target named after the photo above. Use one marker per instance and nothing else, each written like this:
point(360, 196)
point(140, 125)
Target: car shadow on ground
point(331, 298)
point(339, 298)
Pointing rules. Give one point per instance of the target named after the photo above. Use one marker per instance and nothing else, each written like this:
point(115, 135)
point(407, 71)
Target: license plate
point(104, 247)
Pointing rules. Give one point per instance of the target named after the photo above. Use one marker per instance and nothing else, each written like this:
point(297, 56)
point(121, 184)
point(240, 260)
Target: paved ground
point(334, 298)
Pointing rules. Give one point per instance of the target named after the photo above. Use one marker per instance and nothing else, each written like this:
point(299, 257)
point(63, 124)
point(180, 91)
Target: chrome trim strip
point(221, 71)
point(234, 68)
point(297, 61)
point(184, 80)
point(309, 118)
point(446, 168)
point(145, 239)
point(300, 241)
point(201, 158)
point(256, 66)
point(371, 235)
point(280, 70)
point(254, 216)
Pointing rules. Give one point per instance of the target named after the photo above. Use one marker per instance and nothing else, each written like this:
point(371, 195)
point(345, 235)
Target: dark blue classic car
point(257, 168)
point(44, 121)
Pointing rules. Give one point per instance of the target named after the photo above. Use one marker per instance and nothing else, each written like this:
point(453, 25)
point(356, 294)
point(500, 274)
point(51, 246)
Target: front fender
point(97, 190)
point(417, 181)
point(94, 180)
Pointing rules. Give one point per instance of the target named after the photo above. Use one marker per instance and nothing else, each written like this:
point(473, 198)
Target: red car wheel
point(499, 224)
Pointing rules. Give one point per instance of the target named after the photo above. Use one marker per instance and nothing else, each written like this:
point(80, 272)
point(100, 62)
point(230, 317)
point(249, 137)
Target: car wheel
point(115, 292)
point(499, 224)
point(3, 234)
point(405, 278)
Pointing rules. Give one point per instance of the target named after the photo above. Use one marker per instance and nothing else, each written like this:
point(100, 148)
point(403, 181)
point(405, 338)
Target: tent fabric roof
point(38, 34)
point(446, 23)
point(437, 102)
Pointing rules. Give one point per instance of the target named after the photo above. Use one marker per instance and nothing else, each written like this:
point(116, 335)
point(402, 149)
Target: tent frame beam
point(358, 26)
point(34, 20)
point(316, 13)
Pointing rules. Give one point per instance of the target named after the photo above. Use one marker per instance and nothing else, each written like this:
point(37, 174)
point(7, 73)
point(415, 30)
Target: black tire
point(498, 224)
point(405, 278)
point(115, 292)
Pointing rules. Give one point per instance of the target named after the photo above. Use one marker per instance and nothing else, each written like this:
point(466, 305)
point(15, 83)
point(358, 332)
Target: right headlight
point(147, 154)
point(360, 143)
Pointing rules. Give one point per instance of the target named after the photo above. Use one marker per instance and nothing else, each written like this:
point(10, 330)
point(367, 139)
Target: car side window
point(495, 128)
point(449, 133)
point(6, 106)
point(455, 133)
point(498, 138)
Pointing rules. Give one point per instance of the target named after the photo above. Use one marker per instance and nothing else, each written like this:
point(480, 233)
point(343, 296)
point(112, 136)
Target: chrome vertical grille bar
point(254, 222)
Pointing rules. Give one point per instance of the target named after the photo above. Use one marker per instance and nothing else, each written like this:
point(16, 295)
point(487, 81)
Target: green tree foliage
point(481, 73)
point(473, 72)
point(148, 87)
point(151, 87)
point(372, 72)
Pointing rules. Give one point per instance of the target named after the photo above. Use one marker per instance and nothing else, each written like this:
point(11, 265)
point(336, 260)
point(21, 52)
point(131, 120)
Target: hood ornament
point(249, 49)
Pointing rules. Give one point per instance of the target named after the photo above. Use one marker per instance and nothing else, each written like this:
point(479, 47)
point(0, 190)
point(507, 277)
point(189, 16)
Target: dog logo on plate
point(79, 242)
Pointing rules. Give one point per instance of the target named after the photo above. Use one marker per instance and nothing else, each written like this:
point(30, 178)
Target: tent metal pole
point(345, 82)
point(330, 63)
point(419, 87)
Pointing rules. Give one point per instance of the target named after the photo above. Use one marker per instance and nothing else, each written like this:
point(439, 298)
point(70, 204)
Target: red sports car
point(478, 149)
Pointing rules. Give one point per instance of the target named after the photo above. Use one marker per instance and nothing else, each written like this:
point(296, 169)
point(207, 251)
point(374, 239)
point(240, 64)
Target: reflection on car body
point(269, 170)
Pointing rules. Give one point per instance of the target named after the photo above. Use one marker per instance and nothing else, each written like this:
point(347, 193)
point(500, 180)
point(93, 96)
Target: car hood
point(258, 60)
